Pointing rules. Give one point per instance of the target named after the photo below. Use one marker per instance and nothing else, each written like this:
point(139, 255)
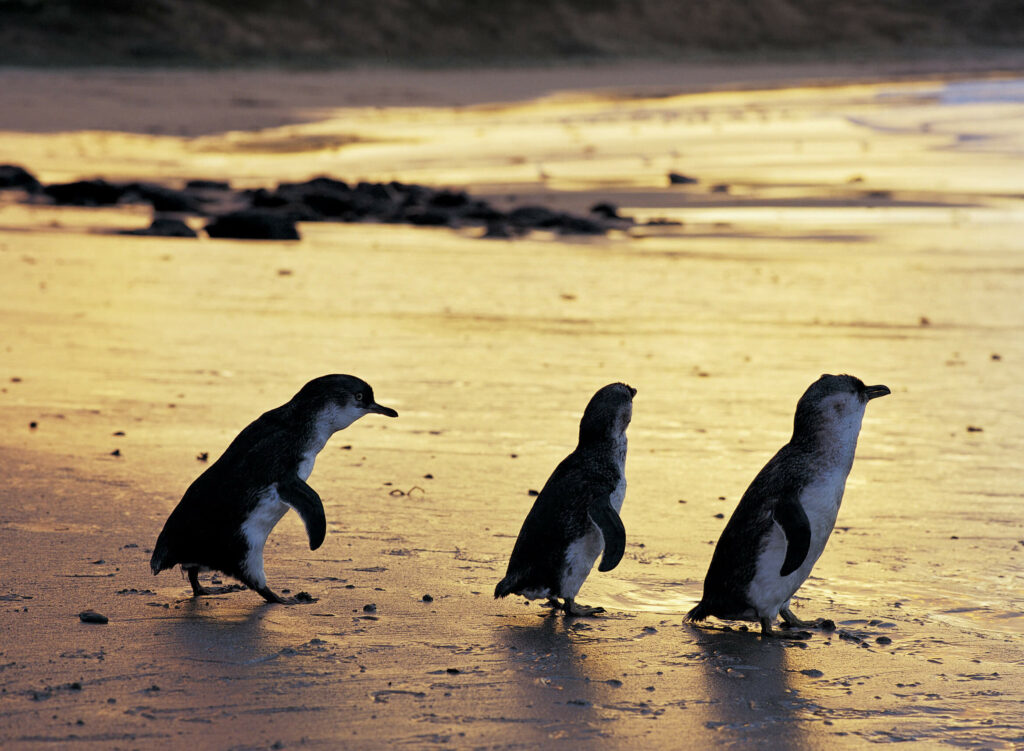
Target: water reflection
point(205, 631)
point(556, 676)
point(746, 681)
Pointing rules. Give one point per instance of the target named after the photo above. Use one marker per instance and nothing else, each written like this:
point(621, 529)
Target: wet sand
point(867, 229)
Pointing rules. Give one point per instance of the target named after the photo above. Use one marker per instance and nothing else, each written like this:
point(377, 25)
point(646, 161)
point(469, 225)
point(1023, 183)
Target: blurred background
point(322, 33)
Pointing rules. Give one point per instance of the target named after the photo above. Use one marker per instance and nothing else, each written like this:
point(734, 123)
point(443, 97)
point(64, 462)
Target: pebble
point(91, 616)
point(674, 178)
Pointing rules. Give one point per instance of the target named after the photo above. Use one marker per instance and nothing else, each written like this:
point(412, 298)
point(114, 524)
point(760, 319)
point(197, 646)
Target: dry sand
point(868, 229)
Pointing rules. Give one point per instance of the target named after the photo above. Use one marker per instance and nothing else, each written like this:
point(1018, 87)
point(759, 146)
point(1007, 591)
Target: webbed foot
point(792, 621)
point(270, 596)
point(198, 590)
point(571, 607)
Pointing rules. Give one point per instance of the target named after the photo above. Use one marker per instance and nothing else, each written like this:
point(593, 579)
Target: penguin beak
point(380, 409)
point(873, 392)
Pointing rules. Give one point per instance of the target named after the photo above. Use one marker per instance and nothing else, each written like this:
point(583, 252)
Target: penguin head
point(339, 400)
point(608, 413)
point(834, 405)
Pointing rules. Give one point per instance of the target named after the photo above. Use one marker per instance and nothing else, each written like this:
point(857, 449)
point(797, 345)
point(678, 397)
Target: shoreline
point(134, 100)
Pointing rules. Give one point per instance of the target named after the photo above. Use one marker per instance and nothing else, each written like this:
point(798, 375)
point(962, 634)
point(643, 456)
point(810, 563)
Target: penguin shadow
point(747, 682)
point(550, 663)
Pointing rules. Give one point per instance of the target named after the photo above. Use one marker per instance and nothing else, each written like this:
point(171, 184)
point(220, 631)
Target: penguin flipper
point(297, 494)
point(790, 515)
point(614, 533)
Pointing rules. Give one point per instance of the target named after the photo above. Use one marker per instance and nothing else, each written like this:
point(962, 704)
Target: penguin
point(223, 520)
point(783, 521)
point(576, 514)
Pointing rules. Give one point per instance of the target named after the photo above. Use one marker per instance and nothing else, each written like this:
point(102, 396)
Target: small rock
point(533, 216)
point(425, 217)
point(14, 177)
point(33, 425)
point(674, 178)
point(827, 625)
point(85, 193)
point(720, 188)
point(453, 671)
point(577, 225)
point(370, 608)
point(253, 224)
point(116, 452)
point(883, 640)
point(202, 456)
point(304, 597)
point(427, 598)
point(91, 616)
point(812, 673)
point(164, 227)
point(719, 516)
point(974, 429)
point(207, 185)
point(497, 230)
point(606, 210)
point(161, 198)
point(532, 493)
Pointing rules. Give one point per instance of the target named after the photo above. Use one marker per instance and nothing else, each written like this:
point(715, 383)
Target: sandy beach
point(870, 226)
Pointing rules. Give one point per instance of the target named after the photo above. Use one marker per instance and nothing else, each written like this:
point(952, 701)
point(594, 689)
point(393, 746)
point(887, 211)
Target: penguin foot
point(571, 607)
point(793, 622)
point(198, 590)
point(768, 632)
point(270, 596)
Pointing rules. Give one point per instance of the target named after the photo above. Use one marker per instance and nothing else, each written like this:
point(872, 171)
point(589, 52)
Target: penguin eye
point(359, 397)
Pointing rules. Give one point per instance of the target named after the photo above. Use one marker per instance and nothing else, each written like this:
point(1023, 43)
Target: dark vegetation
point(322, 33)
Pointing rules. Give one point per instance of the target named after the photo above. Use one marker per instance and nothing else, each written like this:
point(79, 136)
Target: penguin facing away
point(576, 514)
point(782, 522)
point(223, 520)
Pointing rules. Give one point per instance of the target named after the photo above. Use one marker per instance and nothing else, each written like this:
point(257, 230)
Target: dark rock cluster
point(271, 214)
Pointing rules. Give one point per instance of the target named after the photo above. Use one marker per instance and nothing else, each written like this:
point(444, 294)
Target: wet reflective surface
point(490, 350)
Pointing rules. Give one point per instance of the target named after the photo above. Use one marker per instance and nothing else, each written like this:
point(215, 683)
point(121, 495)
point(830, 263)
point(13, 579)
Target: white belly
point(256, 529)
point(579, 559)
point(768, 592)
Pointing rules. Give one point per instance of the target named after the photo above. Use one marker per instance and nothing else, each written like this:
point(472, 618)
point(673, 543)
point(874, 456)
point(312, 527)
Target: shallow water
point(490, 350)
